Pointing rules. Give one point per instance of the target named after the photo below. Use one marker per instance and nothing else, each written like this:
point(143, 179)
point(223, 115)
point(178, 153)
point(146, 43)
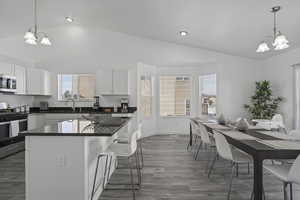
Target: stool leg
point(95, 176)
point(291, 191)
point(142, 156)
point(109, 166)
point(138, 168)
point(131, 177)
point(105, 170)
point(285, 197)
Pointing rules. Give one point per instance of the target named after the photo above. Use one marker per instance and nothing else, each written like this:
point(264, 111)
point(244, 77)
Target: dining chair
point(208, 141)
point(277, 121)
point(288, 174)
point(120, 151)
point(226, 152)
point(197, 139)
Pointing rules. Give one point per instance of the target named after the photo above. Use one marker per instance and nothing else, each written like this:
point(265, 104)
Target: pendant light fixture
point(33, 36)
point(279, 42)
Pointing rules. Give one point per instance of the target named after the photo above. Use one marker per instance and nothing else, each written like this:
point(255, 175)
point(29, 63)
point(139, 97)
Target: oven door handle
point(4, 123)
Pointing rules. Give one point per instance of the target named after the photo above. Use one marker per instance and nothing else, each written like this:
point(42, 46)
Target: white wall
point(279, 71)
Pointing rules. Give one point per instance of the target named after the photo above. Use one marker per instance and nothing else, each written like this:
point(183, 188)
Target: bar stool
point(122, 151)
point(124, 140)
point(287, 173)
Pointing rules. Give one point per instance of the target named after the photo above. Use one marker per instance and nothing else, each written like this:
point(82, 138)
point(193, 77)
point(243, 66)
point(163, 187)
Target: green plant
point(263, 104)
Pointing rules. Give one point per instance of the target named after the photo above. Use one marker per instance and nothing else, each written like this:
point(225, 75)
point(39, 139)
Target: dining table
point(259, 143)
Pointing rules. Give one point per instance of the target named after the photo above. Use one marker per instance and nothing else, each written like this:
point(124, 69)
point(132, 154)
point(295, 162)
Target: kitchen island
point(61, 156)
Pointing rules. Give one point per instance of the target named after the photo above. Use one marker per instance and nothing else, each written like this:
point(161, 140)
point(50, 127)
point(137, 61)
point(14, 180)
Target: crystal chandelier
point(33, 36)
point(280, 41)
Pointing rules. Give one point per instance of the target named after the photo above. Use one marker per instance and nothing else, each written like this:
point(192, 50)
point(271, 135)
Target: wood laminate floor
point(170, 173)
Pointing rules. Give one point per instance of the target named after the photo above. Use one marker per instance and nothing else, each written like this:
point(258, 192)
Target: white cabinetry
point(120, 82)
point(38, 82)
point(104, 82)
point(6, 68)
point(112, 82)
point(20, 74)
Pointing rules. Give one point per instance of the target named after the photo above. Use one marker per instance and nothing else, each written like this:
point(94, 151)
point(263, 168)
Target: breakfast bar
point(61, 156)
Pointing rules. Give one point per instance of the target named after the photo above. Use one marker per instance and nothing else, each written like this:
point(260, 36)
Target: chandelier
point(279, 42)
point(33, 36)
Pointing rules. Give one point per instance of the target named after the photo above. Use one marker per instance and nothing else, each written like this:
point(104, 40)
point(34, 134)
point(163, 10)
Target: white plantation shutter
point(146, 95)
point(175, 95)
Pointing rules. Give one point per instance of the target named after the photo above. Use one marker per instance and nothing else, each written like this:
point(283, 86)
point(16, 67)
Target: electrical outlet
point(62, 161)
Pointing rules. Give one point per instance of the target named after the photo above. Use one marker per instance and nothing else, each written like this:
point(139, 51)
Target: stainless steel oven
point(8, 83)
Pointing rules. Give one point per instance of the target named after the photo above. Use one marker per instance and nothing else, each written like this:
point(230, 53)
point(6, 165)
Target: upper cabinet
point(20, 74)
point(112, 82)
point(38, 82)
point(6, 69)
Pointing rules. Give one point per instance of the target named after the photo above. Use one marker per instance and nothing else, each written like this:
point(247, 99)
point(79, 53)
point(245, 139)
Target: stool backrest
point(133, 143)
point(223, 147)
point(294, 175)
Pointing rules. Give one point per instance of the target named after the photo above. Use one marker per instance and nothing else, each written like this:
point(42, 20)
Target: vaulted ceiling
point(233, 27)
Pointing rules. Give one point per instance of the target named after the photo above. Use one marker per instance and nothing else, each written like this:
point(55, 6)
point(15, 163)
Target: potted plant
point(263, 104)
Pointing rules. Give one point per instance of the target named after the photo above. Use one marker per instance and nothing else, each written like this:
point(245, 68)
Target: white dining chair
point(226, 152)
point(120, 151)
point(288, 174)
point(207, 140)
point(197, 144)
point(277, 121)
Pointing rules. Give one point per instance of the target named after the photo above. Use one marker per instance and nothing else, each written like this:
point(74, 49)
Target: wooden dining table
point(258, 143)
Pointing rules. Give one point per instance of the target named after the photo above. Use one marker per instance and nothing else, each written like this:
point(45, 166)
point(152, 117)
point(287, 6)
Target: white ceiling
point(230, 26)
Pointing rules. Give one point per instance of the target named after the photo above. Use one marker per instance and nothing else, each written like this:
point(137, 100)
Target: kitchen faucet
point(73, 105)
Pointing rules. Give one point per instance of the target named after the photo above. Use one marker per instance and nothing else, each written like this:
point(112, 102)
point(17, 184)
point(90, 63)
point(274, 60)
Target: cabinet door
point(6, 68)
point(20, 74)
point(47, 83)
point(34, 81)
point(104, 82)
point(120, 82)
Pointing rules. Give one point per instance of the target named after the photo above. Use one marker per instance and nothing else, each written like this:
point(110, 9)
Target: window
point(208, 94)
point(175, 95)
point(77, 86)
point(146, 94)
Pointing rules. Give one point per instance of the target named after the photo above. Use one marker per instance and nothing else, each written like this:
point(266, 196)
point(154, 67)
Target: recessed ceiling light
point(69, 19)
point(183, 33)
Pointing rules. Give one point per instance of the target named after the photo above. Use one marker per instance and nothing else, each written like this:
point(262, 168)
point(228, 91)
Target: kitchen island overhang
point(61, 157)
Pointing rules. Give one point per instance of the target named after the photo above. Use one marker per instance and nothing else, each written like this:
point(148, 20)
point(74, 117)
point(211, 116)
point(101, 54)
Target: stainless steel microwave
point(8, 83)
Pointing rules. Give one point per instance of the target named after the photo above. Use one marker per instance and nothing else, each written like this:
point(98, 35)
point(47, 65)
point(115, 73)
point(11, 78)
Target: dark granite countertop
point(11, 116)
point(101, 126)
point(69, 110)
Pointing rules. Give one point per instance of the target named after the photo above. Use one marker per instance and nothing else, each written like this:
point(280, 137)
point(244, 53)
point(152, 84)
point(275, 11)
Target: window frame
point(199, 102)
point(191, 77)
point(59, 90)
point(152, 80)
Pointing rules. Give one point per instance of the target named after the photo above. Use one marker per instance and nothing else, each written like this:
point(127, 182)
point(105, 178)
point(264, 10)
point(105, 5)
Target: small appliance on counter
point(44, 105)
point(124, 104)
point(97, 102)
